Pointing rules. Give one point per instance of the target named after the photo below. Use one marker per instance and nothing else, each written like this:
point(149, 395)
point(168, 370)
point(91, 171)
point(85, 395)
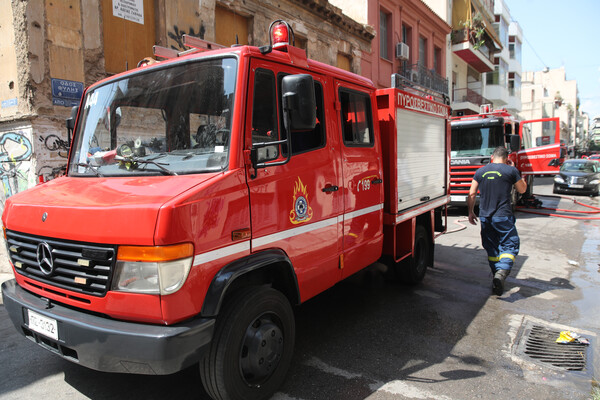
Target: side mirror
point(299, 101)
point(554, 162)
point(515, 143)
point(71, 120)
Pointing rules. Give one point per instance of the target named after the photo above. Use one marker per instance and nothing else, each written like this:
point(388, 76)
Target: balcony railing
point(467, 95)
point(424, 77)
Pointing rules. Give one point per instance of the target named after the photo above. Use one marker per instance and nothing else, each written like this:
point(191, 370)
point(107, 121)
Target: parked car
point(578, 176)
point(594, 157)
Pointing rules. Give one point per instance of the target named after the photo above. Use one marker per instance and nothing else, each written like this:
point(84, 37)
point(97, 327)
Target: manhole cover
point(541, 345)
point(538, 344)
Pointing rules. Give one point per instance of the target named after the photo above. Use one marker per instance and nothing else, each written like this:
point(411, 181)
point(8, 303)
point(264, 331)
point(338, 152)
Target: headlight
point(595, 182)
point(152, 270)
point(558, 179)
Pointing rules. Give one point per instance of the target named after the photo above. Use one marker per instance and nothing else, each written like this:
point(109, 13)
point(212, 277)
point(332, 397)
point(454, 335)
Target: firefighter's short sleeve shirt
point(496, 181)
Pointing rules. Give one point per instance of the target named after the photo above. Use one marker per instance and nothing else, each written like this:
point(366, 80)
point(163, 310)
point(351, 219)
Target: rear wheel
point(252, 347)
point(413, 270)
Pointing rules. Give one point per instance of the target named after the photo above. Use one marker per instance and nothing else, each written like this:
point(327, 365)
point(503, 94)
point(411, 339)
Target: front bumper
point(108, 345)
point(567, 188)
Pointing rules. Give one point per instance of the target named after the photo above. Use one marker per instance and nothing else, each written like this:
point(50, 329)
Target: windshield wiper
point(90, 166)
point(134, 161)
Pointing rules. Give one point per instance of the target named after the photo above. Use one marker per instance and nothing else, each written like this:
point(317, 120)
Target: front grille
point(461, 177)
point(577, 180)
point(80, 267)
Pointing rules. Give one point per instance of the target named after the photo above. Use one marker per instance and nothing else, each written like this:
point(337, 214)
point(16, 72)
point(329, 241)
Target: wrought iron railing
point(424, 77)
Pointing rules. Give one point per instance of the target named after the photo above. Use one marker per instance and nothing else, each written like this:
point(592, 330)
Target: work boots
point(498, 282)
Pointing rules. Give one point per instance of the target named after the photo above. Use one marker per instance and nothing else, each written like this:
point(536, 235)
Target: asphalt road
point(370, 338)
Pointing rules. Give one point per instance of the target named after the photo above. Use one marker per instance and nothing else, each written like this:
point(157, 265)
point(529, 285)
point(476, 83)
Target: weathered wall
point(11, 102)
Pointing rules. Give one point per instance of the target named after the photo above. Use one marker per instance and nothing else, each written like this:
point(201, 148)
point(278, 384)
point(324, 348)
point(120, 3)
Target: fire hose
point(537, 205)
point(532, 202)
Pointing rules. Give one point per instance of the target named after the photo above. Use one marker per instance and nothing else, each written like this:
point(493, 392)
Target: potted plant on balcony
point(475, 29)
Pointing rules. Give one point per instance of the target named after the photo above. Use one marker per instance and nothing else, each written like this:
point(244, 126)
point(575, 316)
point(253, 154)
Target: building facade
point(411, 40)
point(502, 86)
point(475, 45)
point(51, 50)
point(548, 94)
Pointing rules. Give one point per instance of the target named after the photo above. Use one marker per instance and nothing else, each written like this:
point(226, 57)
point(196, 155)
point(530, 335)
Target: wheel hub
point(261, 350)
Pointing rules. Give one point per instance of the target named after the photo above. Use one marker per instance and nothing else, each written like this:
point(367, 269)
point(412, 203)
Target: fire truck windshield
point(173, 119)
point(476, 141)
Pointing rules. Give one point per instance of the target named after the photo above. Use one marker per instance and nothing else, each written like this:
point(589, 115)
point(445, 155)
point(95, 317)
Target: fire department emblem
point(302, 212)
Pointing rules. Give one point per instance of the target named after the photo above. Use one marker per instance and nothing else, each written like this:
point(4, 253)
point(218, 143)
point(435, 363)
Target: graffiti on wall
point(15, 149)
point(177, 35)
point(55, 143)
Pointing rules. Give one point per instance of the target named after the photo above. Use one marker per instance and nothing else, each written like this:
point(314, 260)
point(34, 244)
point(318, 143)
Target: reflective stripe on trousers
point(501, 241)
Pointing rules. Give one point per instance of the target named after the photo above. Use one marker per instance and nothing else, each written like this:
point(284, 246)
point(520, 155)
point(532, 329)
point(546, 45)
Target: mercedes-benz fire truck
point(207, 194)
point(474, 138)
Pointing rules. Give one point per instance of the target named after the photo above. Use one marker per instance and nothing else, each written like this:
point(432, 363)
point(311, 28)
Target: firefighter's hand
point(472, 218)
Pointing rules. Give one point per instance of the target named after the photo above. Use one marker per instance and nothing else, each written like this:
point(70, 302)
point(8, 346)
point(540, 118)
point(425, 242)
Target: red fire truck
point(474, 138)
point(208, 193)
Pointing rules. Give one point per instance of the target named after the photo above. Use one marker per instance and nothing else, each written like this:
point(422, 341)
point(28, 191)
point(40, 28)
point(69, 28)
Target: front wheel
point(252, 347)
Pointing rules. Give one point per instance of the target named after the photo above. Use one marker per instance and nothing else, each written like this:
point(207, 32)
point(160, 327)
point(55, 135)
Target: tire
point(252, 347)
point(413, 271)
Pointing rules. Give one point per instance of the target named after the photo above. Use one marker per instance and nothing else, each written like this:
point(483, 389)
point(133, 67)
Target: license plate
point(44, 325)
point(576, 186)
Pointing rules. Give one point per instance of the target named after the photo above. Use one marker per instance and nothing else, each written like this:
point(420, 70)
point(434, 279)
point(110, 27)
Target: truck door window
point(357, 126)
point(264, 114)
point(304, 141)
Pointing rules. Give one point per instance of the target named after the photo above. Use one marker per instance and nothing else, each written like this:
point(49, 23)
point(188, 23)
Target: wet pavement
point(371, 338)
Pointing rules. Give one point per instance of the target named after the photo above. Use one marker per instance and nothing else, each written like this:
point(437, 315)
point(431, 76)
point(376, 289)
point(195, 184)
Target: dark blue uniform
point(498, 232)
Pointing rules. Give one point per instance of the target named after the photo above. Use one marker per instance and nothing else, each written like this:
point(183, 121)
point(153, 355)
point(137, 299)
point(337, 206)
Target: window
point(230, 28)
point(422, 52)
point(384, 34)
point(437, 60)
point(264, 114)
point(343, 62)
point(174, 119)
point(356, 118)
point(407, 39)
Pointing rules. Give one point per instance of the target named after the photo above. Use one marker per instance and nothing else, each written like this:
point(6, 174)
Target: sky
point(559, 33)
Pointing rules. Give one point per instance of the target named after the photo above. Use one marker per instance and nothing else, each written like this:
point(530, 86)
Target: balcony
point(424, 77)
point(474, 50)
point(468, 101)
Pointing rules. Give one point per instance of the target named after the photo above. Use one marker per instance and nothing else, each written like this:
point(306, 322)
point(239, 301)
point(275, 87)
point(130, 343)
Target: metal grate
point(541, 345)
point(79, 267)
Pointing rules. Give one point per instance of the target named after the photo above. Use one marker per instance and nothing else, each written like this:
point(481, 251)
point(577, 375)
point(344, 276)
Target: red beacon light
point(280, 35)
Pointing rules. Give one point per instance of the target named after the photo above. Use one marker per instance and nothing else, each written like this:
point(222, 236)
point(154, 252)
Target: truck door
point(362, 179)
point(296, 206)
point(540, 144)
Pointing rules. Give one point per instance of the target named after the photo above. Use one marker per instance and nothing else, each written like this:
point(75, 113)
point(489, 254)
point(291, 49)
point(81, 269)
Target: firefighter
point(498, 232)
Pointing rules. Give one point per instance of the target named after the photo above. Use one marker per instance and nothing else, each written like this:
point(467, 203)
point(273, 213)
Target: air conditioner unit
point(402, 51)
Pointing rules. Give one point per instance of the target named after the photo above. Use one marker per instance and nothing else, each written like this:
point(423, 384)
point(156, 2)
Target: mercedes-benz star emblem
point(44, 258)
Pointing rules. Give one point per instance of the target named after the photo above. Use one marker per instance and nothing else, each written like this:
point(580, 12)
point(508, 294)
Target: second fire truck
point(474, 138)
